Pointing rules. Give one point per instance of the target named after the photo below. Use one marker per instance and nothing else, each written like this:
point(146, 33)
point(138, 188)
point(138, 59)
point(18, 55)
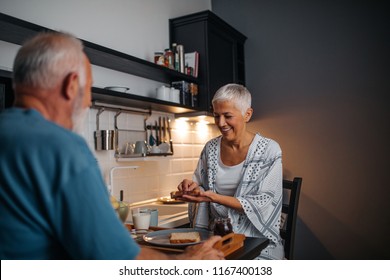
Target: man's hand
point(203, 251)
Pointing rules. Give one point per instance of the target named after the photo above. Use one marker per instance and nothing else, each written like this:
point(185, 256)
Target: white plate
point(161, 237)
point(120, 89)
point(169, 200)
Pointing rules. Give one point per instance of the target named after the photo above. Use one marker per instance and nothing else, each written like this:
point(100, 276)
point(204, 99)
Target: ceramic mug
point(140, 147)
point(141, 218)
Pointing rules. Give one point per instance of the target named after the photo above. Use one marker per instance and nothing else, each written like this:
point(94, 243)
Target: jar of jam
point(169, 58)
point(222, 226)
point(159, 58)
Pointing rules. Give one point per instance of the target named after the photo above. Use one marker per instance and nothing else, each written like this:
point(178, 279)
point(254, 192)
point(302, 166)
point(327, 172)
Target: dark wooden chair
point(291, 192)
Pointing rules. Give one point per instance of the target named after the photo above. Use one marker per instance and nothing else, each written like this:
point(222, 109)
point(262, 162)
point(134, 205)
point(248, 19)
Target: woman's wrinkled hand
point(187, 185)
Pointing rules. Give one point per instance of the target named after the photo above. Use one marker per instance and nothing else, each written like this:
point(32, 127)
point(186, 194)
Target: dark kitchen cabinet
point(220, 47)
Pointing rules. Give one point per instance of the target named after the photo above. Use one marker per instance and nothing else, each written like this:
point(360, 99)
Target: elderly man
point(53, 200)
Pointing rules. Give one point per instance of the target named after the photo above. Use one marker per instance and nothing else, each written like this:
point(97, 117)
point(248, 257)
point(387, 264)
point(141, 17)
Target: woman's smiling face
point(229, 119)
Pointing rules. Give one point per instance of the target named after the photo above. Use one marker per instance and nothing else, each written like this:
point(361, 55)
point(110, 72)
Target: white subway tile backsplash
point(176, 166)
point(187, 166)
point(182, 165)
point(155, 176)
point(163, 166)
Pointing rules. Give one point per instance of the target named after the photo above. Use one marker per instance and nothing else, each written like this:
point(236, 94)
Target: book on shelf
point(192, 63)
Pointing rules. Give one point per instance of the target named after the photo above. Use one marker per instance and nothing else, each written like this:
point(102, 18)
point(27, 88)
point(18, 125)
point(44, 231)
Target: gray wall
point(319, 75)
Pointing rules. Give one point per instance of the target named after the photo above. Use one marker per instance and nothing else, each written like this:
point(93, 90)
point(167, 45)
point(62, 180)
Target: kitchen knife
point(157, 138)
point(169, 135)
point(169, 129)
point(159, 130)
point(164, 131)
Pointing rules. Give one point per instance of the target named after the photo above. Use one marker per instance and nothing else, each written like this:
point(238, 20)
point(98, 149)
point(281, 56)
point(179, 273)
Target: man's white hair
point(46, 59)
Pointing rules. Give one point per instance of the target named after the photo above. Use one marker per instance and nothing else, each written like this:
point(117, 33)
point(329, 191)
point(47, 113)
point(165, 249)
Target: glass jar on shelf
point(169, 58)
point(159, 58)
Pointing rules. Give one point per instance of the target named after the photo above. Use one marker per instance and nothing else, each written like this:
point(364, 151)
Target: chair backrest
point(291, 192)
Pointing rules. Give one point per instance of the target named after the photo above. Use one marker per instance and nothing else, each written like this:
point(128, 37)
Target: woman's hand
point(207, 196)
point(187, 185)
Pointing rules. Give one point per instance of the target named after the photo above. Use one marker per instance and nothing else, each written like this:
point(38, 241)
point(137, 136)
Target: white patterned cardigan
point(259, 192)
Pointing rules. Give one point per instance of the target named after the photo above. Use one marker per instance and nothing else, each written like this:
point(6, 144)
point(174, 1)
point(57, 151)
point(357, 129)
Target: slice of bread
point(176, 194)
point(184, 237)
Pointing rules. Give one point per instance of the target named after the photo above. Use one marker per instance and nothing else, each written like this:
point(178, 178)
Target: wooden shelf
point(137, 101)
point(16, 31)
point(122, 62)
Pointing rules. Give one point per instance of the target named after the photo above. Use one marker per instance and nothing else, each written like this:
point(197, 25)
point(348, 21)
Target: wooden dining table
point(251, 248)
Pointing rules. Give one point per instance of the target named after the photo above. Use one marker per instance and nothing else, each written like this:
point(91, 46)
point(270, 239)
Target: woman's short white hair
point(46, 59)
point(237, 94)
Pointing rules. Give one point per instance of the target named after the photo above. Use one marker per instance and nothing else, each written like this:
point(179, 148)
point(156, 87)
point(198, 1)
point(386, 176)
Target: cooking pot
point(104, 139)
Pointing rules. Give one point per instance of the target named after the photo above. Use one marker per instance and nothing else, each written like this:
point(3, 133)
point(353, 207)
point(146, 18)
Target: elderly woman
point(239, 175)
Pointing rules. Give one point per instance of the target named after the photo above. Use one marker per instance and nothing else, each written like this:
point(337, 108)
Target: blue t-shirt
point(53, 200)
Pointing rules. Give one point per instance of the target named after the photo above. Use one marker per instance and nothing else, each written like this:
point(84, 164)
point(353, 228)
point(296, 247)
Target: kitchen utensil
point(230, 243)
point(104, 139)
point(116, 88)
point(129, 149)
point(116, 132)
point(159, 130)
point(155, 128)
point(169, 135)
point(140, 147)
point(152, 140)
point(164, 147)
point(164, 130)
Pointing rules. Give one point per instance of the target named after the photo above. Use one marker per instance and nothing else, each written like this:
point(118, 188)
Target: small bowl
point(120, 89)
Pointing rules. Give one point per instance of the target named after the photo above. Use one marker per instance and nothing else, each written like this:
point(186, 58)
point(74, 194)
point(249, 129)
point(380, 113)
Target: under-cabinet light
point(197, 117)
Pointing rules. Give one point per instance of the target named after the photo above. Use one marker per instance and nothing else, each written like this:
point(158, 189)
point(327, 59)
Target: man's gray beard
point(79, 114)
point(78, 118)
